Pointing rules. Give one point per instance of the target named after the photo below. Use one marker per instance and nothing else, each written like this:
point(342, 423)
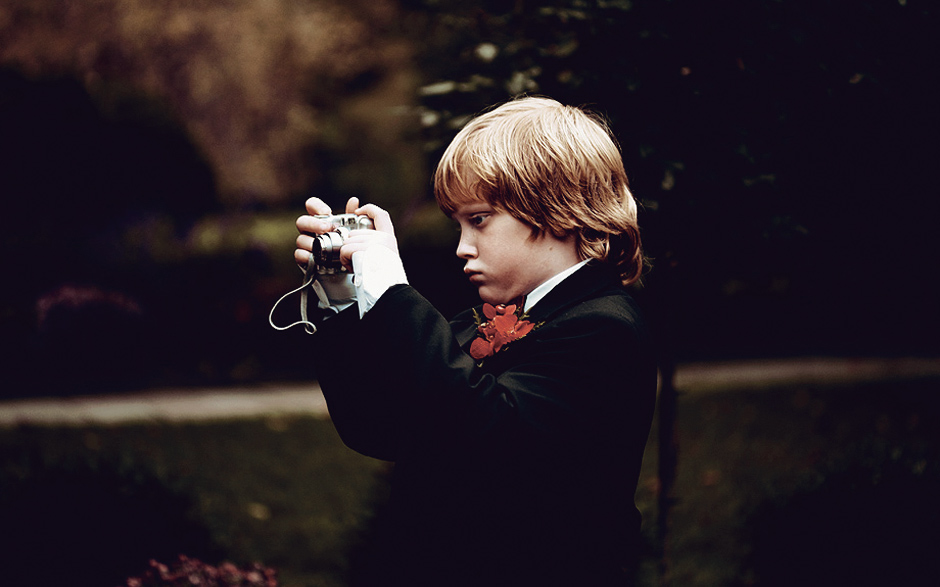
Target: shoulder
point(611, 314)
point(592, 296)
point(611, 303)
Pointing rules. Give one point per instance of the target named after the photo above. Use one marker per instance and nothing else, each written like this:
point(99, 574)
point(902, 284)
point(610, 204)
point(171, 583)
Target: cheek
point(514, 268)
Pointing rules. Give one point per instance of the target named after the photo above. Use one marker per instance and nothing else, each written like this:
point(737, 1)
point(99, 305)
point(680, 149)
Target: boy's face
point(502, 258)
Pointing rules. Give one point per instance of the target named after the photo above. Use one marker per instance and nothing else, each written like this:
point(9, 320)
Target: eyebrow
point(473, 209)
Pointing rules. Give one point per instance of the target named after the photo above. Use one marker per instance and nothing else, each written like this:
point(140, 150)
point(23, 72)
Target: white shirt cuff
point(375, 270)
point(339, 289)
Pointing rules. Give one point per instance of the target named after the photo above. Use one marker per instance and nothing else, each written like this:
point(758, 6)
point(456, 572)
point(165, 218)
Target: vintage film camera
point(325, 253)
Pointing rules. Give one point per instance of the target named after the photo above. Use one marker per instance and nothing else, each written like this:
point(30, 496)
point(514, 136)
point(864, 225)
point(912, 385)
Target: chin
point(497, 298)
point(488, 297)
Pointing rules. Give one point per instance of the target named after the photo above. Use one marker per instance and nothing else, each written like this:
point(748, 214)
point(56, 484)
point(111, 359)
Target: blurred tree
point(155, 132)
point(248, 80)
point(780, 150)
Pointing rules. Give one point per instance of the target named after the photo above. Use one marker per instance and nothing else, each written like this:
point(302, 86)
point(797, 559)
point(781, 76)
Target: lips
point(474, 276)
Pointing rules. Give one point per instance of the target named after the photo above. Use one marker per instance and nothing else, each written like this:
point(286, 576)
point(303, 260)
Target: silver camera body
point(326, 246)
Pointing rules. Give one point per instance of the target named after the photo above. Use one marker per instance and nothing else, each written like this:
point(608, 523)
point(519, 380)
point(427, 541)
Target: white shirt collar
point(539, 292)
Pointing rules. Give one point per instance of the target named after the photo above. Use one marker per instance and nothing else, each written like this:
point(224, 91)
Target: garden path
point(305, 398)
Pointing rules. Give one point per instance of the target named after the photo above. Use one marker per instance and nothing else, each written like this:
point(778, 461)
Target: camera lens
point(326, 250)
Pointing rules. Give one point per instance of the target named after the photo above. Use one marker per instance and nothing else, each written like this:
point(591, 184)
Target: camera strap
point(309, 280)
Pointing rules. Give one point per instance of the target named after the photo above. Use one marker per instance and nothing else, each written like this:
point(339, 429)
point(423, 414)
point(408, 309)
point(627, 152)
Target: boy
point(518, 427)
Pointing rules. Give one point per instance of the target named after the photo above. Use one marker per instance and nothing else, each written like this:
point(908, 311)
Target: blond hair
point(556, 168)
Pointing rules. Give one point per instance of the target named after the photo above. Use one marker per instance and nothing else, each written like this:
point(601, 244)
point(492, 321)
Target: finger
point(304, 242)
point(360, 240)
point(311, 225)
point(317, 206)
point(345, 255)
point(350, 246)
point(381, 218)
point(302, 257)
point(352, 205)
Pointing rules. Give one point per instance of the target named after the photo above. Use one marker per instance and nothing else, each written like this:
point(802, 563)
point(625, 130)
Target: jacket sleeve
point(397, 383)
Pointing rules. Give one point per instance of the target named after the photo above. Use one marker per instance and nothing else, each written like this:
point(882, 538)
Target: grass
point(286, 492)
point(750, 462)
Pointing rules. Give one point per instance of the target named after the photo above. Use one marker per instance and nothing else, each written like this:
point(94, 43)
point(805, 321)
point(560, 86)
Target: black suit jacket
point(518, 471)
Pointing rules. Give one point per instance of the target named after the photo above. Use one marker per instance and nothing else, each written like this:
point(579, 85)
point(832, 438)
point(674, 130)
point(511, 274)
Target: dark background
point(783, 153)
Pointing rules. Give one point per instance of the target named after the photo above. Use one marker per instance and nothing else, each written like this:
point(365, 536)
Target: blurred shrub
point(190, 572)
point(90, 525)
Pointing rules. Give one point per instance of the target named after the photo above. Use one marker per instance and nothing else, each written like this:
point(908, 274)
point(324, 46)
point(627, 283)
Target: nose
point(465, 248)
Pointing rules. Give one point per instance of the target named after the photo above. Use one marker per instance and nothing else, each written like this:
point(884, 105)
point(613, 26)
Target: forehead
point(455, 189)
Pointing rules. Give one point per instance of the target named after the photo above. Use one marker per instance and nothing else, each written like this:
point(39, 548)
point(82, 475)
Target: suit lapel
point(586, 282)
point(465, 328)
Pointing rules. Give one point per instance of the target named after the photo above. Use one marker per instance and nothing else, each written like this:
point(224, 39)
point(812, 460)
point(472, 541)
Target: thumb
point(381, 218)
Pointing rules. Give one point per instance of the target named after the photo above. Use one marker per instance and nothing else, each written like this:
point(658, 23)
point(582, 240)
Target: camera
point(325, 253)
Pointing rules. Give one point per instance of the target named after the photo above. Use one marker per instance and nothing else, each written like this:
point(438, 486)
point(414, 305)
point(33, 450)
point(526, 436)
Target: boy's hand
point(359, 240)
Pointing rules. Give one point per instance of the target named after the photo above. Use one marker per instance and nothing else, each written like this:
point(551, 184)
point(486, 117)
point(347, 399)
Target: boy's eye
point(478, 219)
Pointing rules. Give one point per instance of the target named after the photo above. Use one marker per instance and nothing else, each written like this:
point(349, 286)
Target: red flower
point(501, 328)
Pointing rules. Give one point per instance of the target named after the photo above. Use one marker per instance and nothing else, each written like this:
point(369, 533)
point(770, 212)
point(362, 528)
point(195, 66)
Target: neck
point(565, 253)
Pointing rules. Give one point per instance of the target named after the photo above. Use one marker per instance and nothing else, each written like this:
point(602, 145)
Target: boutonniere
point(502, 326)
